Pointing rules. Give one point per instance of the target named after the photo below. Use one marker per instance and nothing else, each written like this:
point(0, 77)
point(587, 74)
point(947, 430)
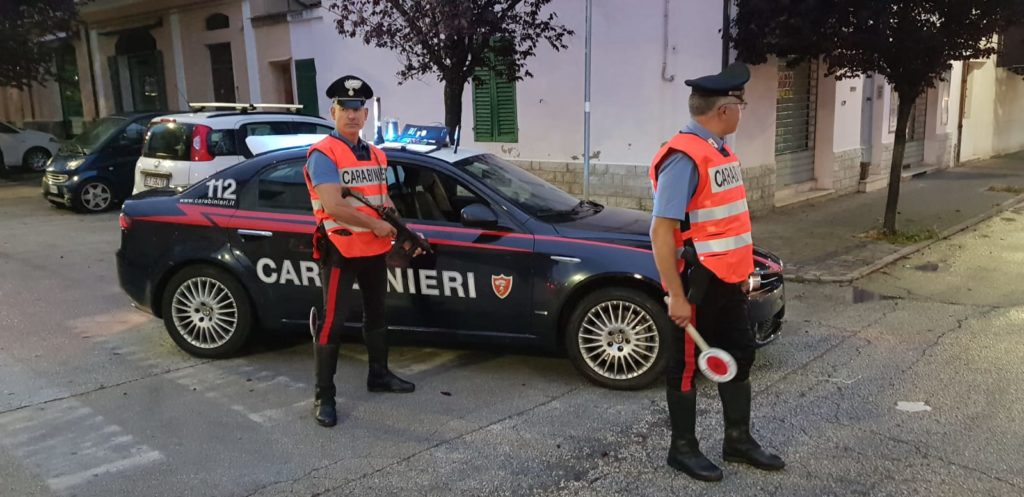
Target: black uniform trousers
point(722, 318)
point(337, 275)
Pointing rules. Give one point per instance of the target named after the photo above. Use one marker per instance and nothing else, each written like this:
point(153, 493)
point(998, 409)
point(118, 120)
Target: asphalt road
point(95, 400)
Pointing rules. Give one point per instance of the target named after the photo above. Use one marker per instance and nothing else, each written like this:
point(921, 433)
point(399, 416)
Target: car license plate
point(54, 189)
point(155, 181)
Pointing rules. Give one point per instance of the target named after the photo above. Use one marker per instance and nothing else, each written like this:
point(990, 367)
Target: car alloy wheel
point(96, 196)
point(618, 340)
point(204, 312)
point(36, 159)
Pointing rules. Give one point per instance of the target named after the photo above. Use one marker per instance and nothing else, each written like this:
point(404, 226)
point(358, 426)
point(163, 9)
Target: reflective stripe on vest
point(373, 199)
point(367, 178)
point(718, 214)
point(723, 244)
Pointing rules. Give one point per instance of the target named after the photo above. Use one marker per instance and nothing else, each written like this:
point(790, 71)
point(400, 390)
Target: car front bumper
point(58, 187)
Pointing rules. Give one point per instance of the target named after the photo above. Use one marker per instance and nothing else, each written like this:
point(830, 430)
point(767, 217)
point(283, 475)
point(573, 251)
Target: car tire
point(207, 312)
point(618, 338)
point(94, 195)
point(766, 331)
point(35, 159)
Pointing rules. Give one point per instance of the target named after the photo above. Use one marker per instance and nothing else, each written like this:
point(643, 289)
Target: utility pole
point(586, 108)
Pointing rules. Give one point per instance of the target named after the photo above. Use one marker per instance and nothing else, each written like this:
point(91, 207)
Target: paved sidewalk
point(823, 241)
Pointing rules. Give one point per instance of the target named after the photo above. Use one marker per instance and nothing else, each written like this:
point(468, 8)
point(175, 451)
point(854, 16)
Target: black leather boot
point(739, 445)
point(326, 364)
point(380, 378)
point(684, 453)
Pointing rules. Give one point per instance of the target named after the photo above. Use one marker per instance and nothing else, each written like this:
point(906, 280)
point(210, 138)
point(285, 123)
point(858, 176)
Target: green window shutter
point(483, 105)
point(506, 125)
point(305, 80)
point(494, 108)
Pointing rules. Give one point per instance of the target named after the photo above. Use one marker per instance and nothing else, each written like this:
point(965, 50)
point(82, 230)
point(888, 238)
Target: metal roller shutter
point(795, 123)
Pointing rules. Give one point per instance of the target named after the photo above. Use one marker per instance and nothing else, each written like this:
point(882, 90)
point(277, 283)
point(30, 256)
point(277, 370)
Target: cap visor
point(346, 103)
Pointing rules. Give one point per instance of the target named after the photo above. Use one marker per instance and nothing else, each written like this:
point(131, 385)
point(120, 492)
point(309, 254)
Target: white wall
point(943, 105)
point(994, 112)
point(755, 140)
point(848, 103)
point(633, 110)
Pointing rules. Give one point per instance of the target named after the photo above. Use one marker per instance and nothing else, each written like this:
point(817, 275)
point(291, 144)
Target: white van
point(182, 149)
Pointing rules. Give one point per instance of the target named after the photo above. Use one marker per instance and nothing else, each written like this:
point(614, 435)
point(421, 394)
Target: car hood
point(59, 163)
point(632, 228)
point(611, 224)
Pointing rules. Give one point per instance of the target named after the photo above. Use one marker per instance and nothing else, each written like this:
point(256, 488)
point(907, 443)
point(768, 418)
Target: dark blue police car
point(517, 261)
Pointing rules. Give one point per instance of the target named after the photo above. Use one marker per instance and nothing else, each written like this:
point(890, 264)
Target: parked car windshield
point(94, 136)
point(530, 193)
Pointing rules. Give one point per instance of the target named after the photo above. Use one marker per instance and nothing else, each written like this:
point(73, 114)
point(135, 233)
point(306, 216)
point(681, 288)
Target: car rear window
point(169, 141)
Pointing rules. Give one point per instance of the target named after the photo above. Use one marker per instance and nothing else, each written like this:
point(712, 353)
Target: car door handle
point(258, 233)
point(570, 260)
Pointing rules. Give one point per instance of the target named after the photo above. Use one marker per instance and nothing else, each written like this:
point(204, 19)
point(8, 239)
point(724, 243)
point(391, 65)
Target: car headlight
point(73, 164)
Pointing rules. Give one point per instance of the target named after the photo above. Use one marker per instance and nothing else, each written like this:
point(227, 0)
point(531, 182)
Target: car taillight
point(200, 152)
point(125, 221)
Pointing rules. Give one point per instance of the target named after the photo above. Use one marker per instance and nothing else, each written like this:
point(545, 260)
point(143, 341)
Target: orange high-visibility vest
point(718, 216)
point(369, 179)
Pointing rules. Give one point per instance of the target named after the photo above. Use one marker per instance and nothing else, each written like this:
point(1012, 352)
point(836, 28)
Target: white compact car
point(182, 149)
point(25, 148)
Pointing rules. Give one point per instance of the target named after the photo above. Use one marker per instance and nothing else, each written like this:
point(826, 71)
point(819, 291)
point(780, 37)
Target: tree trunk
point(896, 168)
point(453, 88)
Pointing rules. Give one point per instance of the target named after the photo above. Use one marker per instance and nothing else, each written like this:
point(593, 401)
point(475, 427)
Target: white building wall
point(943, 109)
point(633, 109)
point(840, 171)
point(994, 112)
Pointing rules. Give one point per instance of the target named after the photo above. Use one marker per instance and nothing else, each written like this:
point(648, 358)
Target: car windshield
point(97, 133)
point(530, 193)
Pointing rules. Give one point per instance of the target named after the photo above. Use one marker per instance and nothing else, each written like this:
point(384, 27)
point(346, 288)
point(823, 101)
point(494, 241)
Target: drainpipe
point(664, 51)
point(726, 31)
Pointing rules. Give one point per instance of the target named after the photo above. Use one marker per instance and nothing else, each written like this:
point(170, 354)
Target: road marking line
point(65, 482)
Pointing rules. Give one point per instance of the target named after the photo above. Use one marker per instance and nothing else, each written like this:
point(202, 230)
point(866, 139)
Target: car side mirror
point(479, 216)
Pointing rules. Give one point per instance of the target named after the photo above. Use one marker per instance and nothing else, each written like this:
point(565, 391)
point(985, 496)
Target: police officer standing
point(351, 241)
point(700, 210)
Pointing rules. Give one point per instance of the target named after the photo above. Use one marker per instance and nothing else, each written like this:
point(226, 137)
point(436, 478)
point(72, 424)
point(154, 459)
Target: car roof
point(450, 154)
point(230, 117)
point(447, 154)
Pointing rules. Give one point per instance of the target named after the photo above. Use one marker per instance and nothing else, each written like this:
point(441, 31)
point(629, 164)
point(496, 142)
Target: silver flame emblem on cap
point(353, 85)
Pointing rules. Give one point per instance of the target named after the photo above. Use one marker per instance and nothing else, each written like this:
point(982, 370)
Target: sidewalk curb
point(818, 277)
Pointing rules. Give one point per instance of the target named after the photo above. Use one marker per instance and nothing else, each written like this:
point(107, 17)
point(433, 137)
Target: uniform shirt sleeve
point(321, 169)
point(677, 183)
